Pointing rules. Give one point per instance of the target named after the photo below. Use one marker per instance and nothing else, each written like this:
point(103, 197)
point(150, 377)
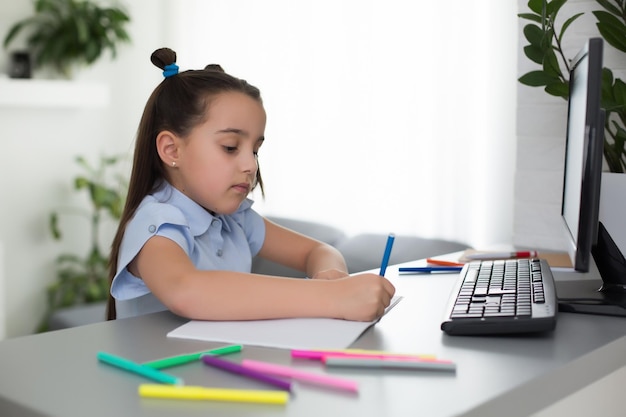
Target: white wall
point(541, 128)
point(382, 116)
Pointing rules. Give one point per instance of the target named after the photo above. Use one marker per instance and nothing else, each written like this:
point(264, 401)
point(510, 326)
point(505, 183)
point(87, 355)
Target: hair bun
point(214, 67)
point(162, 57)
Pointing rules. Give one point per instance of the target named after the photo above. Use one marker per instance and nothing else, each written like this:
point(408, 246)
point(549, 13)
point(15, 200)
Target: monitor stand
point(604, 297)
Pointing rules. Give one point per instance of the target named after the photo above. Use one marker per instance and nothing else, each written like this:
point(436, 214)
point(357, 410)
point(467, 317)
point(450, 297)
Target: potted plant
point(544, 47)
point(83, 279)
point(68, 33)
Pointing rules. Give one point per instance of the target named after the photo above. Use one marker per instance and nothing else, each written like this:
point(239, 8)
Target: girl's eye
point(230, 149)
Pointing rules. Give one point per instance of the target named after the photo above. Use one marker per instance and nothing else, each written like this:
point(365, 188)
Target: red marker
point(502, 255)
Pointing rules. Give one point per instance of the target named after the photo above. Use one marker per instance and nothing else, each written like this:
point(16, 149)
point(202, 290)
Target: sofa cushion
point(318, 231)
point(365, 251)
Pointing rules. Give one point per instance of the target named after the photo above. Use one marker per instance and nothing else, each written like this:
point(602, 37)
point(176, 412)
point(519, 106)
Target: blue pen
point(385, 262)
point(429, 269)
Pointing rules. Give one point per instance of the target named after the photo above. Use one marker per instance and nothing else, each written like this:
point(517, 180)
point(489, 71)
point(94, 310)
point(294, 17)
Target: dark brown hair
point(178, 104)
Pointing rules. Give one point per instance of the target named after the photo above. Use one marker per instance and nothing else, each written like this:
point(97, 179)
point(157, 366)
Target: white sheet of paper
point(298, 333)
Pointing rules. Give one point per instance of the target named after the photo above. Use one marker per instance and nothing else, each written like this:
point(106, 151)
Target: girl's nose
point(250, 163)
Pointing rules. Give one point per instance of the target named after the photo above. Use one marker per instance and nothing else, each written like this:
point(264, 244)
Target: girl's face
point(217, 162)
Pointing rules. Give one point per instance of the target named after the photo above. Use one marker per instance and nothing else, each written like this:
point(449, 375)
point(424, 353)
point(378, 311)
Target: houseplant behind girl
point(187, 235)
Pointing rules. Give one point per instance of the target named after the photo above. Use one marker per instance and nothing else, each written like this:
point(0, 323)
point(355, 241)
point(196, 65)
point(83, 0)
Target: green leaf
point(82, 30)
point(614, 152)
point(534, 34)
point(81, 182)
point(68, 298)
point(92, 51)
point(81, 161)
point(558, 89)
point(104, 197)
point(619, 92)
point(531, 17)
point(51, 292)
point(607, 19)
point(609, 7)
point(110, 160)
point(53, 223)
point(69, 258)
point(551, 65)
point(15, 29)
point(534, 53)
point(612, 29)
point(620, 133)
point(536, 6)
point(537, 79)
point(553, 7)
point(616, 40)
point(546, 42)
point(607, 76)
point(567, 23)
point(115, 210)
point(94, 293)
point(607, 98)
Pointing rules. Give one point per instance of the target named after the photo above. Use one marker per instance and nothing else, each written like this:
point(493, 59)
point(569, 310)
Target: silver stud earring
point(173, 163)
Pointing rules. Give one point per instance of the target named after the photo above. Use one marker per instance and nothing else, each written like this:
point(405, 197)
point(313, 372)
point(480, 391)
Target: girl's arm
point(292, 249)
point(224, 295)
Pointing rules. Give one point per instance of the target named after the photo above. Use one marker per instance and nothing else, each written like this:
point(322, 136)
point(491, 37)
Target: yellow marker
point(215, 394)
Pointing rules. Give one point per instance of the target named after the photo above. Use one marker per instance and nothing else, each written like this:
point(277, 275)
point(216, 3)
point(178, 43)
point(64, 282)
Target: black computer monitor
point(580, 205)
point(583, 154)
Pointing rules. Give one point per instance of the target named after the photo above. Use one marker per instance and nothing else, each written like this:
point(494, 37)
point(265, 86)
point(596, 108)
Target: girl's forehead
point(236, 110)
point(233, 98)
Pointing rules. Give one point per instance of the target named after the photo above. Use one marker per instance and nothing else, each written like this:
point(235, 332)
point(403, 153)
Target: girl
point(188, 233)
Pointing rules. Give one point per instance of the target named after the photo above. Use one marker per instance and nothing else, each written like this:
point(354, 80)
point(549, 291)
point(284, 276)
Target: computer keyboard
point(502, 296)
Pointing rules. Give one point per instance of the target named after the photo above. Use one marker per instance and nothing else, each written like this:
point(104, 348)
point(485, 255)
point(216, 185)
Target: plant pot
point(20, 66)
point(78, 315)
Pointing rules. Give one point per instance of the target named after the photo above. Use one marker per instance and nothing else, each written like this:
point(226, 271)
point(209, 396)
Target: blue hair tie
point(169, 70)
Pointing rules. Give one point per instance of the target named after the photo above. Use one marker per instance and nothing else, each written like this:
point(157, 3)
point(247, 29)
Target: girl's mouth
point(243, 188)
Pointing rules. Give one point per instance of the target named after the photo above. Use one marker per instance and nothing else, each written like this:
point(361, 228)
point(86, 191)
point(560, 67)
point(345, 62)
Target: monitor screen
point(583, 154)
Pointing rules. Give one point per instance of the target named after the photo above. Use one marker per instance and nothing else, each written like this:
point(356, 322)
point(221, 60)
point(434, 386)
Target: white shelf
point(52, 93)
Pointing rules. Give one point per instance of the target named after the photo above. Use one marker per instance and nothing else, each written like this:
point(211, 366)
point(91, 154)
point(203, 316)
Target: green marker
point(138, 369)
point(190, 357)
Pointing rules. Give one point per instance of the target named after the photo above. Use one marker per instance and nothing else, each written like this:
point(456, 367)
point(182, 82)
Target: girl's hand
point(363, 297)
point(330, 274)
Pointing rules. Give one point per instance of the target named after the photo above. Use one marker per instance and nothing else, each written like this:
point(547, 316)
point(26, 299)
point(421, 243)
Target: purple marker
point(250, 373)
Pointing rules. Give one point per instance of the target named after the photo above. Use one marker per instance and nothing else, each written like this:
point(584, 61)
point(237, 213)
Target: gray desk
point(57, 373)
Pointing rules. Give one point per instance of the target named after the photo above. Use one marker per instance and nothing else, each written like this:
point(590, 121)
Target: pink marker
point(303, 376)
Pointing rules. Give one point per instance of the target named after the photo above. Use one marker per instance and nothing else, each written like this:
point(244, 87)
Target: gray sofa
point(362, 252)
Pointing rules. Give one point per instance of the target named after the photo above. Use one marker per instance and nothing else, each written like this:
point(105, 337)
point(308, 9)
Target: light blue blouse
point(222, 242)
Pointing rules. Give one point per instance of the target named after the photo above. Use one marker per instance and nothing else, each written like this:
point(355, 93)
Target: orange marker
point(443, 263)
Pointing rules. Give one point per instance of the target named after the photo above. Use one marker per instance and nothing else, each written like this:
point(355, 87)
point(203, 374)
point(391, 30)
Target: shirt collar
point(198, 217)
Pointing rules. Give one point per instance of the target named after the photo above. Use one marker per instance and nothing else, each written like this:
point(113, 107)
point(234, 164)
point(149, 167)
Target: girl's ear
point(167, 146)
